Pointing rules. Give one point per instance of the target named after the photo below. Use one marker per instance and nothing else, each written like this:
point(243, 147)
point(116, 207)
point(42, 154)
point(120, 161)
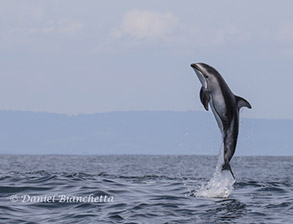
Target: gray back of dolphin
point(225, 106)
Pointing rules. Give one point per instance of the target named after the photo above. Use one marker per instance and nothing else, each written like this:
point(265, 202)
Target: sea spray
point(221, 184)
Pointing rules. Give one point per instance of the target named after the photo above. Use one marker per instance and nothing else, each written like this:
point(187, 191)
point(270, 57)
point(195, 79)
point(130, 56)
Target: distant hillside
point(136, 133)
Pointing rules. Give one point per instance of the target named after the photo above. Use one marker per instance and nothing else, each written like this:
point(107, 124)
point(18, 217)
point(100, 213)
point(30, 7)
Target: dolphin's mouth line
point(197, 69)
point(201, 78)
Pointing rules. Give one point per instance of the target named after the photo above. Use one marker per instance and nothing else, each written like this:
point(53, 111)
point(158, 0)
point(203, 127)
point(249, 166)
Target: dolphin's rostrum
point(225, 106)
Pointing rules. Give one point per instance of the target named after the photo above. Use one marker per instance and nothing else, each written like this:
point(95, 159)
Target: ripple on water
point(147, 190)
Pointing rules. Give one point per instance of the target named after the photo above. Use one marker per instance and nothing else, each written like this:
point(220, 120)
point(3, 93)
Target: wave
point(220, 185)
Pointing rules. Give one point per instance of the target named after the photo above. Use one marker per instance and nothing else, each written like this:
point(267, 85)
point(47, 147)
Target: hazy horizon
point(242, 115)
point(144, 132)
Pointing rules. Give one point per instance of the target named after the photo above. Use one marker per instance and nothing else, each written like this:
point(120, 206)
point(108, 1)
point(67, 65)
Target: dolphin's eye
point(205, 76)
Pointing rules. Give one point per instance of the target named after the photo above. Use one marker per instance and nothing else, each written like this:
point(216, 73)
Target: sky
point(98, 56)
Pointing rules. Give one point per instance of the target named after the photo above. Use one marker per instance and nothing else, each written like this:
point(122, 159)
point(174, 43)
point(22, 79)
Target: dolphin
point(225, 106)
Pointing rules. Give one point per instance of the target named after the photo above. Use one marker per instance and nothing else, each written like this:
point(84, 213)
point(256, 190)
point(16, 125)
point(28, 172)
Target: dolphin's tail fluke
point(227, 166)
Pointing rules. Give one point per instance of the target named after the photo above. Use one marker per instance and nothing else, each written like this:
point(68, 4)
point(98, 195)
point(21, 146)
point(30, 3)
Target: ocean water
point(144, 189)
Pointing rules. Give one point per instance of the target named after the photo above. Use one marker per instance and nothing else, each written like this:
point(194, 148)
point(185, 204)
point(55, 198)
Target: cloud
point(68, 26)
point(285, 33)
point(62, 26)
point(230, 34)
point(284, 38)
point(142, 24)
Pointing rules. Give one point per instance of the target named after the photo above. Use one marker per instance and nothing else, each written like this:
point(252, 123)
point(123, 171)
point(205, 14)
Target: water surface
point(142, 189)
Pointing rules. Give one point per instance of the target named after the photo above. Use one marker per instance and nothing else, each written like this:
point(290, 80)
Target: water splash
point(221, 184)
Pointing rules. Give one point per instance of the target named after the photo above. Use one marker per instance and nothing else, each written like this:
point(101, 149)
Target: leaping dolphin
point(225, 106)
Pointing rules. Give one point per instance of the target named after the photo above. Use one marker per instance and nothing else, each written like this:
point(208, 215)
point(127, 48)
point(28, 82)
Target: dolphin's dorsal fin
point(241, 102)
point(204, 97)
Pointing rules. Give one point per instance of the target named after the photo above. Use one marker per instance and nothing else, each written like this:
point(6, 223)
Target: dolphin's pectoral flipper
point(241, 102)
point(204, 97)
point(226, 166)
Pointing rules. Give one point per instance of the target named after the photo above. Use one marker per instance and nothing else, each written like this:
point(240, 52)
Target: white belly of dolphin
point(217, 104)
